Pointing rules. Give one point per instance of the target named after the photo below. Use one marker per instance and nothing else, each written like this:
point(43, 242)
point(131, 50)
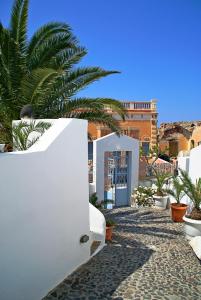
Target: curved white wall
point(97, 226)
point(44, 211)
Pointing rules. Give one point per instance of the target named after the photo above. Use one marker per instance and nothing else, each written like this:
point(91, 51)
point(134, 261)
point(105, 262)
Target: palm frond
point(50, 48)
point(18, 23)
point(114, 105)
point(67, 58)
point(99, 117)
point(171, 192)
point(161, 180)
point(72, 82)
point(80, 78)
point(12, 68)
point(22, 131)
point(177, 191)
point(95, 104)
point(46, 32)
point(193, 191)
point(36, 84)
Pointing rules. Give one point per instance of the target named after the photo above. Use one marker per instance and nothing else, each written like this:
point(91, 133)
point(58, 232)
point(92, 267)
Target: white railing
point(137, 105)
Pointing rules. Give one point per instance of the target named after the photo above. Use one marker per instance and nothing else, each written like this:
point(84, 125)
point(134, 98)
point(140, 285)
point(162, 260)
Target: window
point(145, 148)
point(126, 105)
point(90, 150)
point(134, 133)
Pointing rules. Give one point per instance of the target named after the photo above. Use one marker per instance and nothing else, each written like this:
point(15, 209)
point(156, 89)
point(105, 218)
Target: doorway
point(173, 148)
point(117, 177)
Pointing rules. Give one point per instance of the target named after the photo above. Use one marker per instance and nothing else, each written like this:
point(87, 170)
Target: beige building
point(140, 123)
point(179, 136)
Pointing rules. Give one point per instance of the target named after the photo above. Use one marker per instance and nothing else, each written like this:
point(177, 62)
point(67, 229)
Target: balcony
point(137, 105)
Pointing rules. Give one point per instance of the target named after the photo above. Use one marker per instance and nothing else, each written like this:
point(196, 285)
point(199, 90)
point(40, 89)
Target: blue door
point(117, 178)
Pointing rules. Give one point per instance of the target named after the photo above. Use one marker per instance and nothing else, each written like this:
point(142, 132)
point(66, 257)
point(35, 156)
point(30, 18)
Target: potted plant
point(161, 196)
point(193, 191)
point(109, 229)
point(178, 209)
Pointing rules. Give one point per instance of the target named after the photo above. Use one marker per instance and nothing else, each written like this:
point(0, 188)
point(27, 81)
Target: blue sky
point(156, 44)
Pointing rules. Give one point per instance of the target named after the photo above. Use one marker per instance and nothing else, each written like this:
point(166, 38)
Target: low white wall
point(97, 226)
point(195, 163)
point(183, 163)
point(192, 165)
point(109, 143)
point(44, 211)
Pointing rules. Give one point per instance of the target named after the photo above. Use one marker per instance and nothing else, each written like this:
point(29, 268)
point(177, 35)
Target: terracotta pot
point(109, 230)
point(178, 211)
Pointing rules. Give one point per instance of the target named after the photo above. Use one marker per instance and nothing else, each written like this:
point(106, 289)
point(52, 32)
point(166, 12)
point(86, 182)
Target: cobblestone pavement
point(148, 259)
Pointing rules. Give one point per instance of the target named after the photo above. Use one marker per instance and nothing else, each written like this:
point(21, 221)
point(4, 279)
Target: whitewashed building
point(47, 227)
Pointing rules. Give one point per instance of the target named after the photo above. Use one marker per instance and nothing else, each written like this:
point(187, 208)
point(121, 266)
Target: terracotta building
point(179, 136)
point(140, 123)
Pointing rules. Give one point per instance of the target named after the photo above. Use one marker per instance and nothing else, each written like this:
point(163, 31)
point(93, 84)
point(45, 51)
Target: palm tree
point(192, 190)
point(22, 139)
point(161, 181)
point(177, 192)
point(41, 72)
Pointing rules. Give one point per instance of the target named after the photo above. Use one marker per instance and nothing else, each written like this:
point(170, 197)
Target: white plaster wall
point(183, 163)
point(195, 163)
point(192, 165)
point(91, 189)
point(44, 211)
point(112, 142)
point(97, 226)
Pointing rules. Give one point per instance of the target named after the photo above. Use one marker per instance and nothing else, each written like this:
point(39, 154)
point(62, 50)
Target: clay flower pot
point(178, 211)
point(109, 231)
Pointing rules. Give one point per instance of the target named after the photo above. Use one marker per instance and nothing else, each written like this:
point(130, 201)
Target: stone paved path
point(148, 259)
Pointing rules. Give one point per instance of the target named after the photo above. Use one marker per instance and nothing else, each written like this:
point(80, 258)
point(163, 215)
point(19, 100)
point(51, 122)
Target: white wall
point(195, 163)
point(112, 142)
point(44, 211)
point(183, 163)
point(192, 165)
point(97, 226)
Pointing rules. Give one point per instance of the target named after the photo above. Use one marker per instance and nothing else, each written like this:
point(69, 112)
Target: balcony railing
point(137, 105)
